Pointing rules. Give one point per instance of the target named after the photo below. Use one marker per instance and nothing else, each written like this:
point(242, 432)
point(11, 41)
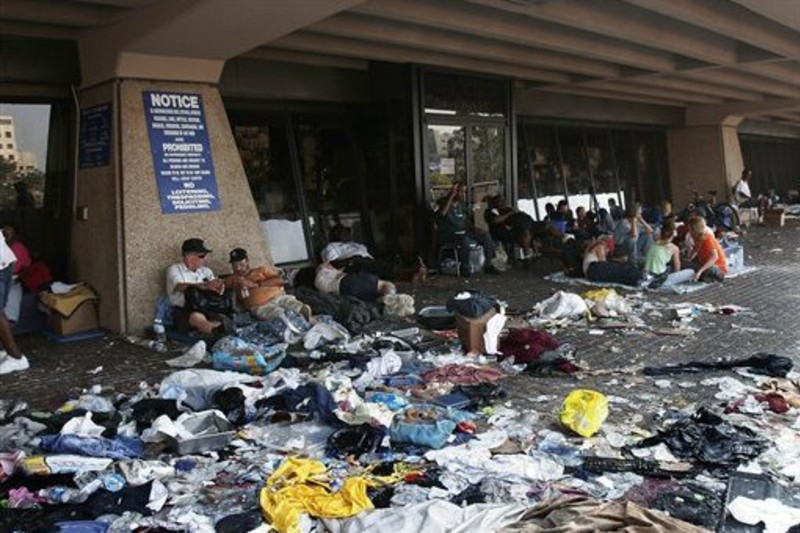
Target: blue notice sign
point(94, 145)
point(181, 152)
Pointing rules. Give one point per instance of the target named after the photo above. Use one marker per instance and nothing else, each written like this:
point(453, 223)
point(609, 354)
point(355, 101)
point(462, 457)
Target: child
point(709, 260)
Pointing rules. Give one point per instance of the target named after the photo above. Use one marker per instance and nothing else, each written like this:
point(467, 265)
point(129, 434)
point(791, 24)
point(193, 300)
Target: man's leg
point(202, 324)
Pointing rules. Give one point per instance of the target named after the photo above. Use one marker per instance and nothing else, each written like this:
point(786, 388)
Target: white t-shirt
point(742, 189)
point(180, 273)
point(7, 256)
point(588, 259)
point(328, 279)
point(343, 250)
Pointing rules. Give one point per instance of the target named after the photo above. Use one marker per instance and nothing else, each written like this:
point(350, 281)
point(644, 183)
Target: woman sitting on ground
point(597, 267)
point(663, 260)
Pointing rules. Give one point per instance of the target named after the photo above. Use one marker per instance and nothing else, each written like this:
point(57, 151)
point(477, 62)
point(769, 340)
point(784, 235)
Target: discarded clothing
point(423, 426)
point(709, 440)
point(351, 312)
point(526, 345)
point(583, 514)
point(116, 448)
point(760, 363)
point(355, 440)
point(463, 374)
point(471, 304)
point(776, 515)
point(436, 516)
point(300, 486)
point(312, 399)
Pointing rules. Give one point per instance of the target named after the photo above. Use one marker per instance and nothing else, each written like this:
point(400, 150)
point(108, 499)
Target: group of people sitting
point(203, 302)
point(637, 252)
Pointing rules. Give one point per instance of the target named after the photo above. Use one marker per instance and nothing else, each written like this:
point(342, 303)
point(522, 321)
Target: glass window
point(452, 94)
point(446, 159)
point(543, 177)
point(625, 158)
point(23, 165)
point(601, 165)
point(575, 167)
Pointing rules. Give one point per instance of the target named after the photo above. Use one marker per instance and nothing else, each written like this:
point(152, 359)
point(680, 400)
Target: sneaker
point(13, 364)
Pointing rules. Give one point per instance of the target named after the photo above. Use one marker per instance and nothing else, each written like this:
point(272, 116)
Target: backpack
point(36, 276)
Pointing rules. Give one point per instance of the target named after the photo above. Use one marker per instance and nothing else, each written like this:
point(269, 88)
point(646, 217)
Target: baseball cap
point(194, 246)
point(238, 254)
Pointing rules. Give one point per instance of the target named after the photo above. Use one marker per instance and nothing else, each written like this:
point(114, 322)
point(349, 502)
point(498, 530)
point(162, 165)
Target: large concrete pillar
point(125, 242)
point(704, 158)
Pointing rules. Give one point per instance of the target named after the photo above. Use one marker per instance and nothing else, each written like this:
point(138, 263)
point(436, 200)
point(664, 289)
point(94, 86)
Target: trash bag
point(584, 411)
point(355, 440)
point(708, 439)
point(562, 305)
point(324, 331)
point(608, 302)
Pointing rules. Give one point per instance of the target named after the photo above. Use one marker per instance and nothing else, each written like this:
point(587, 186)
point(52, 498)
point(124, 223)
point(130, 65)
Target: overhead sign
point(181, 152)
point(94, 144)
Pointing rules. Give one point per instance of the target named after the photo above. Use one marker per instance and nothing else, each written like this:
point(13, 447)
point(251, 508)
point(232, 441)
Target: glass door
point(447, 159)
point(488, 167)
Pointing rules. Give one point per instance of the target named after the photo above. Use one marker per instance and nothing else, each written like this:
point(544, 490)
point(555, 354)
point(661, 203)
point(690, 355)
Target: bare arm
point(676, 258)
point(708, 264)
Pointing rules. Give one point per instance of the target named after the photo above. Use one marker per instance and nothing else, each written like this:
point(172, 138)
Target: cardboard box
point(84, 318)
point(471, 330)
point(774, 217)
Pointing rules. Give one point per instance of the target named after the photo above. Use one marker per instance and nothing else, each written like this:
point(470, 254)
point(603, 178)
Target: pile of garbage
point(303, 425)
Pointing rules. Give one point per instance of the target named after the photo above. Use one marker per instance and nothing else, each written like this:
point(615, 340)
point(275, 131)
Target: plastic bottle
point(159, 330)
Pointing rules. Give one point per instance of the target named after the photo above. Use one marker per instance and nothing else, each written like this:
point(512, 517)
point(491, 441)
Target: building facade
point(300, 116)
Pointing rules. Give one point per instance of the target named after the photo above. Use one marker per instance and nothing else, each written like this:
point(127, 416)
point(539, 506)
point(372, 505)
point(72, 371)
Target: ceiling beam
point(42, 31)
point(728, 18)
point(786, 71)
point(744, 81)
point(623, 87)
point(390, 32)
point(639, 26)
point(678, 84)
point(315, 43)
point(716, 114)
point(318, 60)
point(490, 23)
point(58, 13)
point(610, 95)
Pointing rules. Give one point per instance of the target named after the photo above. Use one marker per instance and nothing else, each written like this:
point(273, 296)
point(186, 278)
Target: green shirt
point(456, 221)
point(658, 258)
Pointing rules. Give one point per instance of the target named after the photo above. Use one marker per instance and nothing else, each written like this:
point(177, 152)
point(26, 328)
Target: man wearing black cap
point(259, 289)
point(192, 272)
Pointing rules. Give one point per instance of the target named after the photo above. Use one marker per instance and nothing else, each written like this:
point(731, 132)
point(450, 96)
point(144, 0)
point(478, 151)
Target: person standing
point(11, 358)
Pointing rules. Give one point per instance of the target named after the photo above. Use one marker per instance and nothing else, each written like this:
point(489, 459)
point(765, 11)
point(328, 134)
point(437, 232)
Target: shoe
point(14, 364)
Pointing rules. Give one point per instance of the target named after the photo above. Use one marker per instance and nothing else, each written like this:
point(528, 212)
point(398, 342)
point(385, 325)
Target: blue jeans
point(6, 276)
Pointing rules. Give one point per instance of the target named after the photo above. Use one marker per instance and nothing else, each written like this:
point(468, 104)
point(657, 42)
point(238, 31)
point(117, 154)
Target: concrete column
point(126, 244)
point(705, 157)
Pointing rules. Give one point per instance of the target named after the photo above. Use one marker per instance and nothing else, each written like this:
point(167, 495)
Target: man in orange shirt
point(259, 289)
point(710, 263)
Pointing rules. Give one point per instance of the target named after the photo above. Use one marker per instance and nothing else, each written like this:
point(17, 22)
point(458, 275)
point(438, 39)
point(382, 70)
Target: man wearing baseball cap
point(192, 272)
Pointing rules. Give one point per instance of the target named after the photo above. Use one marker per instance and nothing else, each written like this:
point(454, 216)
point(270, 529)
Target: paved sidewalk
point(60, 371)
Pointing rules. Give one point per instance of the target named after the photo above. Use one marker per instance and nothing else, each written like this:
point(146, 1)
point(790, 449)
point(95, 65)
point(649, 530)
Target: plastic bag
point(234, 353)
point(584, 411)
point(562, 305)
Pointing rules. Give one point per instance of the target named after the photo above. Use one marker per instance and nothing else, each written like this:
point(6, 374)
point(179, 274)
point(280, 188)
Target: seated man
point(455, 227)
point(362, 285)
point(191, 273)
point(709, 261)
point(259, 289)
point(509, 226)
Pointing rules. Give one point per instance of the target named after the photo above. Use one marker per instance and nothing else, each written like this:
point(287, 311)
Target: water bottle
point(161, 335)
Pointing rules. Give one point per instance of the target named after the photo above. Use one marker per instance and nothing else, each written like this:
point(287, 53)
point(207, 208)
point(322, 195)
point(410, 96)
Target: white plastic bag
point(562, 305)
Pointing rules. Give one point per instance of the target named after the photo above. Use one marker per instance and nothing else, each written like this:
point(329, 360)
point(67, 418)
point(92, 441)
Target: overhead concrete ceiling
point(709, 54)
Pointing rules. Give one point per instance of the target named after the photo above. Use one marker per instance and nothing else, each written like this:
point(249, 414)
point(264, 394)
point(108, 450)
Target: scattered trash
point(584, 411)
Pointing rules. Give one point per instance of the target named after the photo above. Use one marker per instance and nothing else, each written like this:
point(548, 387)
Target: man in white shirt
point(192, 272)
point(11, 358)
point(742, 197)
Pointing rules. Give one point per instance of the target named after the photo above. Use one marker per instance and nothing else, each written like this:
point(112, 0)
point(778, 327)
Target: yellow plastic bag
point(584, 411)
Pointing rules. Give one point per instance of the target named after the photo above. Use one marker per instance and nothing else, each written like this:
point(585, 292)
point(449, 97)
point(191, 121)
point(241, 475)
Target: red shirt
point(23, 257)
point(706, 246)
